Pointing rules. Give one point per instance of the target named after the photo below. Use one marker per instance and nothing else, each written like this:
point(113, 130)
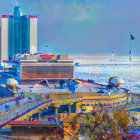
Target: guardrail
point(13, 107)
point(31, 108)
point(47, 103)
point(105, 97)
point(17, 112)
point(34, 106)
point(25, 109)
point(86, 81)
point(5, 100)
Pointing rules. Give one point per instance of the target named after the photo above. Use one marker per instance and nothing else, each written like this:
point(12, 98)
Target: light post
point(130, 58)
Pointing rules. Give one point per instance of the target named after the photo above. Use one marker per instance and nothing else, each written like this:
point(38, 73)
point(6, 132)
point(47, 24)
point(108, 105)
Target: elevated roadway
point(23, 112)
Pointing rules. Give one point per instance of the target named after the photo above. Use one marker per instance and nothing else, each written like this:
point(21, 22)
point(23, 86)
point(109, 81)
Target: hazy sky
point(83, 26)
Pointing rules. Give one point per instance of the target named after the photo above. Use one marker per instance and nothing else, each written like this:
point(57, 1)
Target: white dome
point(12, 82)
point(121, 81)
point(115, 81)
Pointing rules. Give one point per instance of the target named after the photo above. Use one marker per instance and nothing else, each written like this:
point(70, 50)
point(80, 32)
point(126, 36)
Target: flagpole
point(130, 58)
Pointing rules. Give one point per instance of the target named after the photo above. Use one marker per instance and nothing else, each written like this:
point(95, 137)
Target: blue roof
point(51, 122)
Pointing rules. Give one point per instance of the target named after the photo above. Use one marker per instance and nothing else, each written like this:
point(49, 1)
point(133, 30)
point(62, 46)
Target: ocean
point(101, 68)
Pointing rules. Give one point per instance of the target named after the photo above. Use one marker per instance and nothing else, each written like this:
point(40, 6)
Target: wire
point(62, 128)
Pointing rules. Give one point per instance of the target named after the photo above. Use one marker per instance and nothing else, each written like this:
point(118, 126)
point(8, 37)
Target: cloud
point(82, 11)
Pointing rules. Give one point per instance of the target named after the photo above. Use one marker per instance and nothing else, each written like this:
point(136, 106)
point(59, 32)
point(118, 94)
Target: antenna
point(17, 3)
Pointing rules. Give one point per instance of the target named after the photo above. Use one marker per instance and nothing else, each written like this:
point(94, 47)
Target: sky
point(90, 27)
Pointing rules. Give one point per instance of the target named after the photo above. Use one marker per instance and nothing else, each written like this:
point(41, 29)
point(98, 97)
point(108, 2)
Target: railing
point(105, 97)
point(25, 109)
point(34, 110)
point(9, 99)
point(86, 81)
point(11, 106)
point(18, 112)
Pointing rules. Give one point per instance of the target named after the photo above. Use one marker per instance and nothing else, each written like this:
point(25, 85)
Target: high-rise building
point(18, 34)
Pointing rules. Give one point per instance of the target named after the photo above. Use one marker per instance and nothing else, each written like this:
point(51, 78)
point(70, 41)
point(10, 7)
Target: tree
point(101, 124)
point(120, 122)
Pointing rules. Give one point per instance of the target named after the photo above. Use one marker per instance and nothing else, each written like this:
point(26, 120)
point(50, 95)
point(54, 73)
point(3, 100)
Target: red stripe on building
point(24, 122)
point(46, 56)
point(32, 16)
point(48, 76)
point(5, 16)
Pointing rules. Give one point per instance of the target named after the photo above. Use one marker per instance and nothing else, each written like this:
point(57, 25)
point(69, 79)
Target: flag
point(131, 36)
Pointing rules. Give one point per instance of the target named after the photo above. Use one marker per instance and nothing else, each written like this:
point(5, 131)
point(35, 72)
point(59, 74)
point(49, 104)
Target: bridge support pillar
point(132, 100)
point(31, 118)
point(39, 116)
point(69, 109)
point(56, 110)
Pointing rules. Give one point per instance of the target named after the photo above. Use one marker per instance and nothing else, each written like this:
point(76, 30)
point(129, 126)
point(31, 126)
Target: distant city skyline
point(83, 26)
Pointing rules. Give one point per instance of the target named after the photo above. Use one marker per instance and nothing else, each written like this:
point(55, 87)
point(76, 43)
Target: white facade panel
point(4, 39)
point(33, 35)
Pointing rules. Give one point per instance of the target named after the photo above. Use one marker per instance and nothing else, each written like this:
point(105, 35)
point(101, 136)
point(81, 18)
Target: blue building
point(18, 34)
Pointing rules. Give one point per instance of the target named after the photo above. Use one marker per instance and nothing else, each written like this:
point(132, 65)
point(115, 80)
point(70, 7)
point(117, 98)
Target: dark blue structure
point(4, 92)
point(19, 33)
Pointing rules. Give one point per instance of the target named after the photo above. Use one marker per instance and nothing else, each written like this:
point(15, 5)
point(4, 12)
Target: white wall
point(4, 39)
point(33, 35)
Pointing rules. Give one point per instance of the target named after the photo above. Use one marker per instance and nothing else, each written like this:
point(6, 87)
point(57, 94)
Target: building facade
point(39, 67)
point(18, 34)
point(46, 66)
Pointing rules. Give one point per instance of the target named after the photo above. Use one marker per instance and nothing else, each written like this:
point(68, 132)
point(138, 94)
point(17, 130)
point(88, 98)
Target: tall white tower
point(33, 34)
point(4, 37)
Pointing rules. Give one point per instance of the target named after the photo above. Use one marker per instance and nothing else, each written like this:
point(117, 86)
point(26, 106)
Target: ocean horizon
point(101, 68)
